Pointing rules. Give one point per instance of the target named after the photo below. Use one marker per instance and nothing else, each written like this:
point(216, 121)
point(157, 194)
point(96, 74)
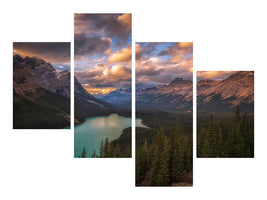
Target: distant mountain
point(176, 96)
point(225, 95)
point(81, 95)
point(86, 105)
point(122, 97)
point(40, 94)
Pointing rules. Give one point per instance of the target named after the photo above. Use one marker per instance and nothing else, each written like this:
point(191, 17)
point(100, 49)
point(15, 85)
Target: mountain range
point(175, 96)
point(41, 96)
point(212, 95)
point(122, 97)
point(225, 95)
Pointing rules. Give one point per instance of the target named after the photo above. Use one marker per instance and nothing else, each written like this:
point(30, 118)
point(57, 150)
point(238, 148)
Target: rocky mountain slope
point(40, 95)
point(176, 96)
point(225, 95)
point(29, 74)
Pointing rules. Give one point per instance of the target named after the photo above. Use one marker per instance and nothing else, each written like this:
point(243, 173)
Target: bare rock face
point(29, 74)
point(23, 81)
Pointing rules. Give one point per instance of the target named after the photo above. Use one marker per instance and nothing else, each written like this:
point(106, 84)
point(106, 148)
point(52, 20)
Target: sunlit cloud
point(53, 52)
point(105, 75)
point(103, 51)
point(216, 75)
point(160, 63)
point(122, 55)
point(98, 91)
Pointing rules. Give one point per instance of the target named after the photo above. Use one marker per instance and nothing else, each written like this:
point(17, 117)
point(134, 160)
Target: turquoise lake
point(94, 129)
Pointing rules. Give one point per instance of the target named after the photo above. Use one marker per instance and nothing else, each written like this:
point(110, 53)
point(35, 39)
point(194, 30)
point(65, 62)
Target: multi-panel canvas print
point(225, 114)
point(102, 85)
point(41, 85)
point(164, 93)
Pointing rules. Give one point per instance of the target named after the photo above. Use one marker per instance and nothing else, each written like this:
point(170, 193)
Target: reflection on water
point(93, 130)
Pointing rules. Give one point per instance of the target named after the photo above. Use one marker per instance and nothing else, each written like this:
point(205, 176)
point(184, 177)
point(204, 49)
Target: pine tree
point(106, 148)
point(83, 153)
point(141, 162)
point(163, 178)
point(158, 148)
point(101, 149)
point(94, 155)
point(111, 151)
point(117, 151)
point(220, 144)
point(212, 137)
point(178, 154)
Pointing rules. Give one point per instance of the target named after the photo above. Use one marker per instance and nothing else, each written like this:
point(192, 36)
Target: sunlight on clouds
point(185, 44)
point(213, 74)
point(123, 55)
point(126, 19)
point(97, 91)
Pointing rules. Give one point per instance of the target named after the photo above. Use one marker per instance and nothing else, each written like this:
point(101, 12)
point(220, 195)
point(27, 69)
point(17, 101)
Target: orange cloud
point(126, 19)
point(185, 44)
point(105, 75)
point(123, 55)
point(96, 91)
point(177, 59)
point(213, 74)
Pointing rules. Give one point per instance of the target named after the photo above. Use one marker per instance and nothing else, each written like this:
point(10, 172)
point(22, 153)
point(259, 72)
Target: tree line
point(166, 160)
point(109, 150)
point(234, 139)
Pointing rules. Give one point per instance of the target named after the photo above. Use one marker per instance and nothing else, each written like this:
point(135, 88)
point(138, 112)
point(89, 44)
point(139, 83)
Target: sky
point(160, 63)
point(57, 53)
point(214, 75)
point(102, 51)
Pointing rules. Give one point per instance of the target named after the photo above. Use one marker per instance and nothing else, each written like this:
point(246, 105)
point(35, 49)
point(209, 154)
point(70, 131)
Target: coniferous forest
point(232, 138)
point(164, 156)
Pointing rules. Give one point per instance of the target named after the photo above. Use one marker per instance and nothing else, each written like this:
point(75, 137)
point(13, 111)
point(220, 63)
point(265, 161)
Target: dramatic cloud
point(123, 55)
point(179, 49)
point(103, 51)
point(104, 75)
point(215, 75)
point(160, 63)
point(54, 52)
point(118, 26)
point(85, 45)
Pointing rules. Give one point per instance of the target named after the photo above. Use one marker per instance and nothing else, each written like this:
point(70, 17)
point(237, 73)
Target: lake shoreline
point(95, 129)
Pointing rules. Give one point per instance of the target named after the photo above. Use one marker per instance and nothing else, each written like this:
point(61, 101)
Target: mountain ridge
point(226, 94)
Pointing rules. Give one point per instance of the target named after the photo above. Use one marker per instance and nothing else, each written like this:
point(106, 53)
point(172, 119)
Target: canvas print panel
point(41, 85)
point(225, 114)
point(164, 93)
point(102, 88)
